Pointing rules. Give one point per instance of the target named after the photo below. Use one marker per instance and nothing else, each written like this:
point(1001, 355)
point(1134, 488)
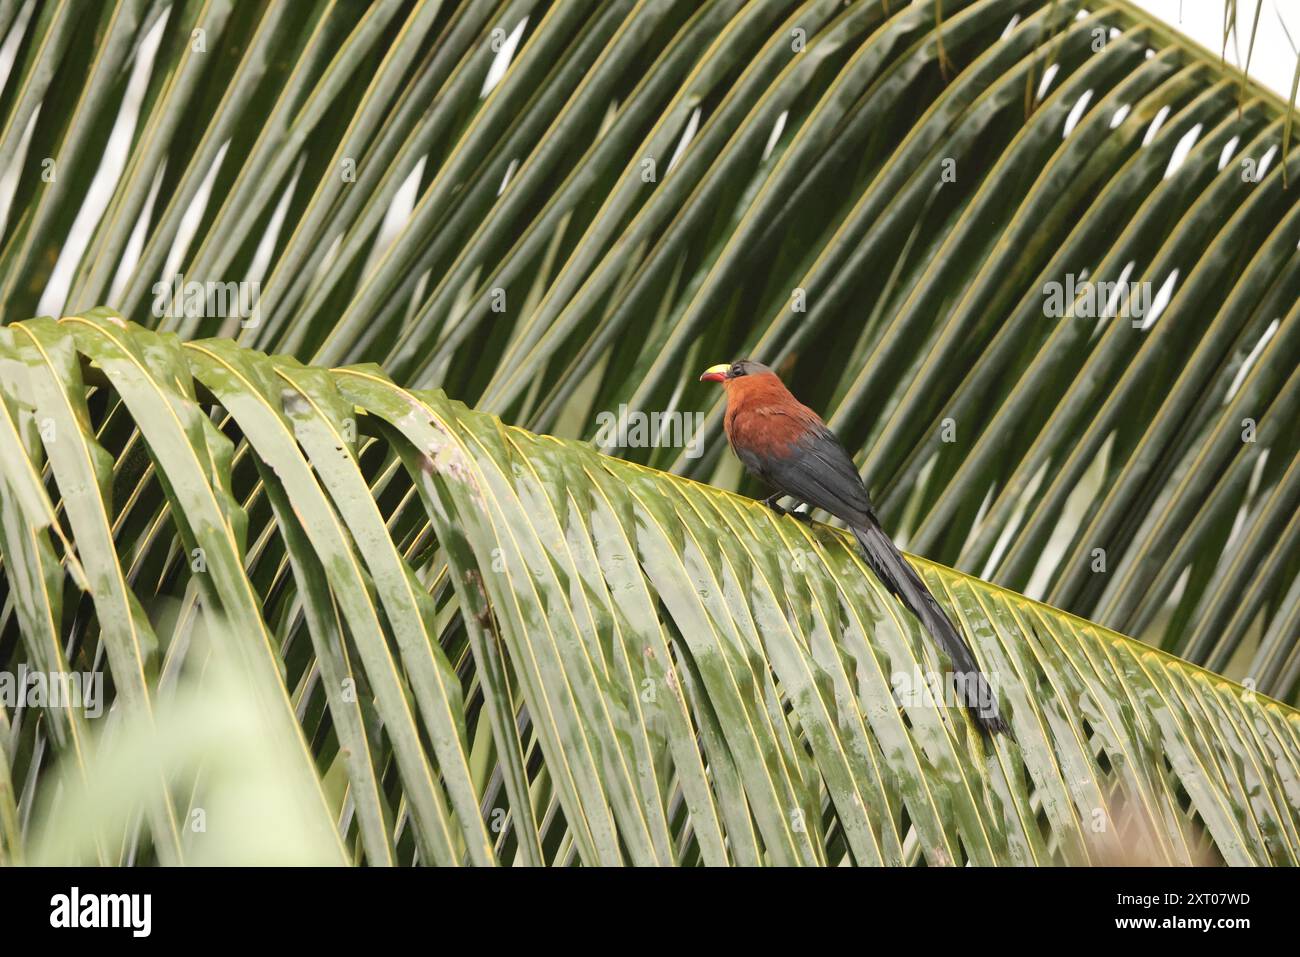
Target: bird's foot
point(801, 513)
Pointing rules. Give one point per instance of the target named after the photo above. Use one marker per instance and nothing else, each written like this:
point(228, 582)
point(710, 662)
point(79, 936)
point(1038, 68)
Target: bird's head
point(728, 371)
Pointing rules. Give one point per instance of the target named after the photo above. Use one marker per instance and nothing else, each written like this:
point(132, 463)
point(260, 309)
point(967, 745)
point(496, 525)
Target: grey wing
point(820, 472)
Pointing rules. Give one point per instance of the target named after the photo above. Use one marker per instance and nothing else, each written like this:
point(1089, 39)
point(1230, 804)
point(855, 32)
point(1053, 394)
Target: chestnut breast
point(763, 417)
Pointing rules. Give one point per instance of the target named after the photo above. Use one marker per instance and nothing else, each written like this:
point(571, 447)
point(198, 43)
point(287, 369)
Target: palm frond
point(916, 211)
point(512, 648)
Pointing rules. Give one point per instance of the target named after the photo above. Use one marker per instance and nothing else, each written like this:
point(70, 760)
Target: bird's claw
point(801, 514)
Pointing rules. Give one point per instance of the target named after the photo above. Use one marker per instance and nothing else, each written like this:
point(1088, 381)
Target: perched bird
point(788, 446)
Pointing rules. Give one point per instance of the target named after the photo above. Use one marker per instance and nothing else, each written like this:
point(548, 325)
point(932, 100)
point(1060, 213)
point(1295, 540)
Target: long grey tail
point(896, 574)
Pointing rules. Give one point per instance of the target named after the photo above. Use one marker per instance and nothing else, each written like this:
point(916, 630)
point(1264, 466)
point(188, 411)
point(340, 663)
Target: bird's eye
point(737, 370)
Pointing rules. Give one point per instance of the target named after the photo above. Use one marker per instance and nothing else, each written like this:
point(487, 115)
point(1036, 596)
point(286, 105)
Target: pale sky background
point(1273, 62)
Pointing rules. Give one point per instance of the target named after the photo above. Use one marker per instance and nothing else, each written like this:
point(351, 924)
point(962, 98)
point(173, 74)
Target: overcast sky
point(1273, 62)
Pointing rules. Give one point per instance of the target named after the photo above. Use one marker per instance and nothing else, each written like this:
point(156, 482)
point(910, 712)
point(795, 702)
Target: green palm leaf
point(452, 640)
point(548, 211)
point(657, 670)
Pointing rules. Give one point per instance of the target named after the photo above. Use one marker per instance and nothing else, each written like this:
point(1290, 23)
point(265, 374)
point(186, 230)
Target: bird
point(787, 445)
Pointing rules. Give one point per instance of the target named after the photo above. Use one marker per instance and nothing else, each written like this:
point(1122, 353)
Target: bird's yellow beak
point(715, 373)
